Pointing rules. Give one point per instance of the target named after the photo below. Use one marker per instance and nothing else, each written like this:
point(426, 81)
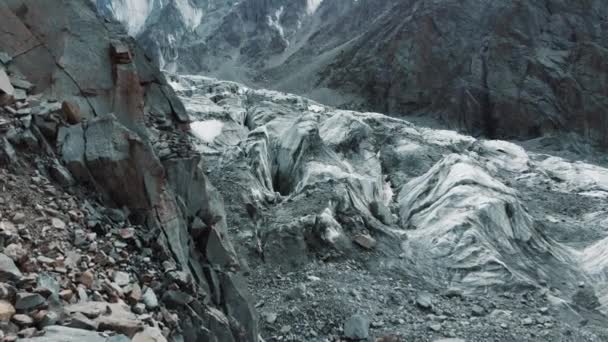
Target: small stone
point(71, 112)
point(23, 320)
point(365, 241)
point(121, 278)
point(8, 228)
point(5, 58)
point(120, 245)
point(18, 218)
point(21, 84)
point(127, 233)
point(285, 329)
point(82, 294)
point(377, 324)
point(66, 295)
point(478, 310)
point(24, 112)
point(45, 260)
point(270, 317)
point(28, 301)
point(15, 251)
point(298, 292)
point(80, 321)
point(80, 238)
point(26, 333)
point(435, 327)
point(139, 308)
point(135, 293)
point(7, 310)
point(357, 327)
point(7, 292)
point(87, 278)
point(45, 318)
point(47, 285)
point(169, 266)
point(57, 223)
point(424, 300)
point(149, 334)
point(527, 321)
point(313, 278)
point(149, 298)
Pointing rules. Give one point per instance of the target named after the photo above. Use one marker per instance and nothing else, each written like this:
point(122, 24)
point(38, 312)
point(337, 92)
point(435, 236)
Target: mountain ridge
point(498, 69)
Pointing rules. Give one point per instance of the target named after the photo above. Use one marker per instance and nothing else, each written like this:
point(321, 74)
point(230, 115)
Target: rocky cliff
point(514, 69)
point(137, 244)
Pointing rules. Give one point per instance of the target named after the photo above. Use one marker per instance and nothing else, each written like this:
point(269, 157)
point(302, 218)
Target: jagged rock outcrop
point(498, 69)
point(119, 127)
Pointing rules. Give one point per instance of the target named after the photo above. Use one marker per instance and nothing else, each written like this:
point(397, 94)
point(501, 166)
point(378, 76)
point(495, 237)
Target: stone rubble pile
point(100, 191)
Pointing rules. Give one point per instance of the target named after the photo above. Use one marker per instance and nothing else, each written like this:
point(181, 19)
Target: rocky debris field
point(358, 226)
point(109, 228)
point(68, 262)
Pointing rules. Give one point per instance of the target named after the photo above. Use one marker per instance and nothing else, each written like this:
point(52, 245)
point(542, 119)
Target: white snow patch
point(275, 21)
point(192, 16)
point(586, 179)
point(132, 13)
point(316, 108)
point(443, 137)
point(387, 193)
point(312, 6)
point(207, 131)
point(504, 155)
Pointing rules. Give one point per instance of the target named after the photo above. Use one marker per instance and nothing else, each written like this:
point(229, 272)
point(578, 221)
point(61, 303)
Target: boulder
point(71, 144)
point(149, 298)
point(5, 84)
point(149, 334)
point(57, 333)
point(7, 310)
point(8, 269)
point(357, 327)
point(71, 112)
point(28, 301)
point(122, 163)
point(7, 152)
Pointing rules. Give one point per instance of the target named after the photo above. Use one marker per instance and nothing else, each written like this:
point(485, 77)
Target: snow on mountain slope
point(132, 13)
point(491, 68)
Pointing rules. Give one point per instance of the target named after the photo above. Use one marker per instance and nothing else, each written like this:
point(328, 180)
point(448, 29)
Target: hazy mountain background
point(495, 68)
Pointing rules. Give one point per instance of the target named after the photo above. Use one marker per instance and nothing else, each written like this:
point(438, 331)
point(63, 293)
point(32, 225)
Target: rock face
point(121, 131)
point(499, 69)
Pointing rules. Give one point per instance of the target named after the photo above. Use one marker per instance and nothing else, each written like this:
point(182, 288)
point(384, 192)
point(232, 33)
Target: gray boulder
point(357, 327)
point(8, 269)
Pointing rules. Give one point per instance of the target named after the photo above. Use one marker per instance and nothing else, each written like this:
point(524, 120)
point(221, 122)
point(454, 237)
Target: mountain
point(511, 69)
point(142, 205)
